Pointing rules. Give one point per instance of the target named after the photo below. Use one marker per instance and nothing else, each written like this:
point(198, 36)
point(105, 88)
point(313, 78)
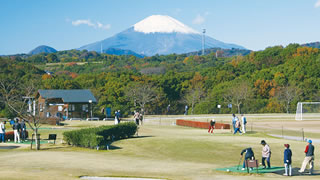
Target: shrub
point(99, 136)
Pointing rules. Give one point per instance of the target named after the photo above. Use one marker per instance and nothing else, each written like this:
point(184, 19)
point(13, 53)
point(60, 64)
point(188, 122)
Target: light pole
point(90, 102)
point(203, 40)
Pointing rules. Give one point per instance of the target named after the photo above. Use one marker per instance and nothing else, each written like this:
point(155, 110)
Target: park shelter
point(66, 104)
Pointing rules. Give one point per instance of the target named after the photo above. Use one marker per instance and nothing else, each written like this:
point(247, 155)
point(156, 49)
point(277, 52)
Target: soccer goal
point(308, 111)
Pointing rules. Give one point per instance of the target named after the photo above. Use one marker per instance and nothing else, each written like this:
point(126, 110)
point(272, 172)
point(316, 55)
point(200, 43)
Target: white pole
point(34, 108)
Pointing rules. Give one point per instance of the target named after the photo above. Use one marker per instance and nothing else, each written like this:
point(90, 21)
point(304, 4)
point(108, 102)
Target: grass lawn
point(160, 151)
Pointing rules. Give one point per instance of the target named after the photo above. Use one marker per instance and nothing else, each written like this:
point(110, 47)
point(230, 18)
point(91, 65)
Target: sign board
point(108, 112)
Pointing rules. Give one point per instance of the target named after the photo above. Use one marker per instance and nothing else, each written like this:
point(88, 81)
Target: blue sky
point(69, 24)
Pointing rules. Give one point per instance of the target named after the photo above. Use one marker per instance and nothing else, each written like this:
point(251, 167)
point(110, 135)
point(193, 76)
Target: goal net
point(308, 111)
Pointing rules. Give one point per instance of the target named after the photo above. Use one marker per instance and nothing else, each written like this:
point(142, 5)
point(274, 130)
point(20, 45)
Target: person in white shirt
point(266, 154)
point(244, 123)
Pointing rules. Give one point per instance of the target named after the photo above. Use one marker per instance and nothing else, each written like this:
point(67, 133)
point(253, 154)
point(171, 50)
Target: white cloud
point(317, 4)
point(105, 27)
point(198, 19)
point(89, 23)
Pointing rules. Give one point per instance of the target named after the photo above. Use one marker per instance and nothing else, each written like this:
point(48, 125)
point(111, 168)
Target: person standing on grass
point(211, 127)
point(249, 156)
point(141, 117)
point(186, 110)
point(287, 160)
point(16, 131)
point(266, 154)
point(237, 127)
point(244, 123)
point(118, 116)
point(23, 130)
point(234, 122)
point(115, 117)
point(309, 159)
point(136, 117)
point(2, 131)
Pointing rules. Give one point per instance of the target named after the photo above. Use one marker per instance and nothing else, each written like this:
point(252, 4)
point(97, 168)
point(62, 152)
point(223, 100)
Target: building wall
point(79, 110)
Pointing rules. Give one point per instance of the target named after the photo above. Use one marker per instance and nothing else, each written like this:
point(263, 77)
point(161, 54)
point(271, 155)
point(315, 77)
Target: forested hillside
point(268, 81)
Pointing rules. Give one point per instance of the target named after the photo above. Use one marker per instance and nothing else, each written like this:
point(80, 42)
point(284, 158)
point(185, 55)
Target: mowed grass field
point(162, 150)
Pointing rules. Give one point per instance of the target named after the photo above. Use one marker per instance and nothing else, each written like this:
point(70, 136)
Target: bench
point(52, 137)
point(251, 164)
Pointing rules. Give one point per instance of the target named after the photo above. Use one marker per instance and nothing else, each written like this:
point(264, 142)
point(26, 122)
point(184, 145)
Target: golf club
point(239, 162)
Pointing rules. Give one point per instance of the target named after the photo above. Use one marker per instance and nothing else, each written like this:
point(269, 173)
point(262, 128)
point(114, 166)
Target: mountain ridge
point(179, 39)
point(42, 49)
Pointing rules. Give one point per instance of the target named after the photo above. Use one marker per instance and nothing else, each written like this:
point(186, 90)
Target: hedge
point(99, 136)
point(203, 125)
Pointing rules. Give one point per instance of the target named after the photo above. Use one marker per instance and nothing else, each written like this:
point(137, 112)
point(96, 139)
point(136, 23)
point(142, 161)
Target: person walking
point(186, 108)
point(115, 117)
point(234, 122)
point(266, 154)
point(211, 125)
point(16, 131)
point(309, 159)
point(136, 117)
point(244, 123)
point(249, 156)
point(168, 109)
point(287, 160)
point(2, 131)
point(237, 127)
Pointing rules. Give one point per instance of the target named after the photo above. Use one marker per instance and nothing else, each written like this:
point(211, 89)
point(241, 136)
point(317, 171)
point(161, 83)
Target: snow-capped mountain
point(158, 34)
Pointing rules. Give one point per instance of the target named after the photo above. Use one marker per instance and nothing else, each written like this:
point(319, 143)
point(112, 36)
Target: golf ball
point(228, 170)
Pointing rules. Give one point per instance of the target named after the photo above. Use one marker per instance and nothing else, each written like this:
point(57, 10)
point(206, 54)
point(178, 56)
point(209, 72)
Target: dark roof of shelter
point(69, 96)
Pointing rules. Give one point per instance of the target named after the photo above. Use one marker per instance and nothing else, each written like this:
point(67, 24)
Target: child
point(287, 160)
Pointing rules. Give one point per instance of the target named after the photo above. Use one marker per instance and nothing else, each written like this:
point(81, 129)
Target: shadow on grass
point(295, 172)
point(141, 136)
point(9, 147)
point(112, 147)
point(51, 148)
point(251, 132)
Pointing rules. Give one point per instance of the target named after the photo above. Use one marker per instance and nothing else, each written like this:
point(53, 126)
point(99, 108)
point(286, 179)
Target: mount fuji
point(158, 34)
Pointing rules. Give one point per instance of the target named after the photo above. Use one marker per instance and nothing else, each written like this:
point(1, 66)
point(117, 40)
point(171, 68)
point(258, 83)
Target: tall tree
point(141, 94)
point(237, 94)
point(287, 93)
point(196, 91)
point(17, 95)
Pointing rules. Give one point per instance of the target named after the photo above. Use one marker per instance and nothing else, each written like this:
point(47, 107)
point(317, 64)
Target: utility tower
point(203, 40)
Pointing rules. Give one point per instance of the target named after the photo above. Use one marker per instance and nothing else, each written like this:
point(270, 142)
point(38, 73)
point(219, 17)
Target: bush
point(99, 136)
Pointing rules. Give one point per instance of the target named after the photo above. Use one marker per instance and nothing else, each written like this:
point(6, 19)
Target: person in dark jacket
point(309, 159)
point(287, 160)
point(249, 155)
point(23, 130)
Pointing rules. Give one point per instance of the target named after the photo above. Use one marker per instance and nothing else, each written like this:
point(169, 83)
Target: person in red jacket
point(211, 127)
point(309, 159)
